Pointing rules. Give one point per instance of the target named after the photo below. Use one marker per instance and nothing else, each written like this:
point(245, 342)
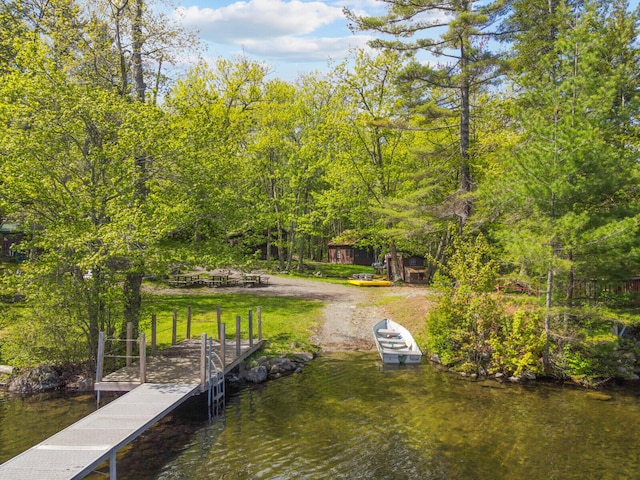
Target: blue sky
point(292, 36)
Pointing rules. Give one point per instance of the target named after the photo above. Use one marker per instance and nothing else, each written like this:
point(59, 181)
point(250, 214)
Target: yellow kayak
point(369, 283)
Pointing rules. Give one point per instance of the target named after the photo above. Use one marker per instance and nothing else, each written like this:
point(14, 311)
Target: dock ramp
point(79, 449)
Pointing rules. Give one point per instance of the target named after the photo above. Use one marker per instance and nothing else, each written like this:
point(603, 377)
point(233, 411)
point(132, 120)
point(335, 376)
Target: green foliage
point(586, 349)
point(517, 343)
point(459, 327)
point(53, 322)
point(458, 330)
point(472, 266)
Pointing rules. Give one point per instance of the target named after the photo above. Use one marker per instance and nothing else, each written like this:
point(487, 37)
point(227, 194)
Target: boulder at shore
point(42, 378)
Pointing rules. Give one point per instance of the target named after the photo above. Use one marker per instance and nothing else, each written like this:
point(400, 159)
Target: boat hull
point(395, 343)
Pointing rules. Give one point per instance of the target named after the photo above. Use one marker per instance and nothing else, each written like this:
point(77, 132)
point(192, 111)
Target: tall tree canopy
point(454, 33)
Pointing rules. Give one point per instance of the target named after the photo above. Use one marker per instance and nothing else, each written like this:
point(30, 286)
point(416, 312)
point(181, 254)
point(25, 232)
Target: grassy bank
point(287, 323)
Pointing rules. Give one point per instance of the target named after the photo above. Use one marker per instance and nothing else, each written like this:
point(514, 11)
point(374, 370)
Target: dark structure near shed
point(412, 269)
point(10, 234)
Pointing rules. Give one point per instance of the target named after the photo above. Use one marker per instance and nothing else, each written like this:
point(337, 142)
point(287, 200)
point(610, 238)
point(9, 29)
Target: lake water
point(348, 417)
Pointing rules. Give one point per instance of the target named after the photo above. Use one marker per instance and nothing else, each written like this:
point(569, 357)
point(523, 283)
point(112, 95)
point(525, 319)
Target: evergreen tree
point(455, 32)
point(571, 182)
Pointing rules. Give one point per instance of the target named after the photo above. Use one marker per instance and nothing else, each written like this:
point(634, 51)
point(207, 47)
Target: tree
point(213, 117)
point(571, 187)
point(69, 178)
point(462, 26)
point(374, 141)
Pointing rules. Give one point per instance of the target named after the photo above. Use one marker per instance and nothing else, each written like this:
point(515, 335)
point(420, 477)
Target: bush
point(459, 328)
point(517, 344)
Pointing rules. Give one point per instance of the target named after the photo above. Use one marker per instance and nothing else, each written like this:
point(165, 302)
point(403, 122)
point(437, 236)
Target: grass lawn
point(330, 272)
point(287, 323)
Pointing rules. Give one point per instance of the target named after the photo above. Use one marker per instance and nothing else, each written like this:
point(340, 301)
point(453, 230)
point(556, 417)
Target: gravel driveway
point(349, 312)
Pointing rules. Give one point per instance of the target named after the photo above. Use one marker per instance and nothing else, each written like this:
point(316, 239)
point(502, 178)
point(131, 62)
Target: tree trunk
point(138, 72)
point(133, 301)
point(133, 281)
point(290, 242)
point(570, 279)
point(465, 120)
point(394, 267)
point(301, 252)
point(547, 320)
point(268, 253)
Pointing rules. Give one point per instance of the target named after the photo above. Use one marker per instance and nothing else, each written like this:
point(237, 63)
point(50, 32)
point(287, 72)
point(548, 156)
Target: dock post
point(143, 358)
point(112, 465)
point(175, 327)
point(223, 343)
point(210, 366)
point(154, 331)
point(129, 343)
point(238, 344)
point(100, 363)
point(250, 328)
point(189, 322)
point(259, 323)
point(203, 361)
point(219, 317)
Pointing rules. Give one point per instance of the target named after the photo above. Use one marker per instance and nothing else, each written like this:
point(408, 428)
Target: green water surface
point(349, 417)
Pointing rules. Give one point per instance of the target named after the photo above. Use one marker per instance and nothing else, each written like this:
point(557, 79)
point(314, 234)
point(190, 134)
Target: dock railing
point(213, 365)
point(128, 356)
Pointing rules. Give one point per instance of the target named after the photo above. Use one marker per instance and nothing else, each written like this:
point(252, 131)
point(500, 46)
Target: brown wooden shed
point(347, 253)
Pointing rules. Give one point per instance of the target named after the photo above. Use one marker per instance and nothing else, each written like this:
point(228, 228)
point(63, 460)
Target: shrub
point(517, 343)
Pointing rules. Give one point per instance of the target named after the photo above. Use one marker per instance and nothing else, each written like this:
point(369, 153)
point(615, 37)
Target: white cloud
point(259, 20)
point(291, 35)
point(301, 49)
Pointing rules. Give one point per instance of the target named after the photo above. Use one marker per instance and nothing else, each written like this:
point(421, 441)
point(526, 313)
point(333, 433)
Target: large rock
point(305, 357)
point(282, 366)
point(39, 379)
point(257, 374)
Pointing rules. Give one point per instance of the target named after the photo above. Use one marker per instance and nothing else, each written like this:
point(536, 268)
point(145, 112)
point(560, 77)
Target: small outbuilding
point(412, 269)
point(10, 234)
point(345, 251)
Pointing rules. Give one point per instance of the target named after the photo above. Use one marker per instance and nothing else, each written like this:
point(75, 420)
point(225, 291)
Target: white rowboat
point(395, 343)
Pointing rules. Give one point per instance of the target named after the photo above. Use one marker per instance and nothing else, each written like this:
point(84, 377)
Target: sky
point(292, 36)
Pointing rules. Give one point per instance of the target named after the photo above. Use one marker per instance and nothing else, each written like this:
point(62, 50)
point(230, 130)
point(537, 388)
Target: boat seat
point(387, 333)
point(393, 345)
point(391, 340)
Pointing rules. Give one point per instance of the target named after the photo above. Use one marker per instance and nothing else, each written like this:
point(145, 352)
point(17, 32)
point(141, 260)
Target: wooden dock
point(156, 385)
point(183, 363)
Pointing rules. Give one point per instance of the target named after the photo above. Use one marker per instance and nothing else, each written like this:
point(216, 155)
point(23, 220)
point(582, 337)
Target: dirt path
point(349, 312)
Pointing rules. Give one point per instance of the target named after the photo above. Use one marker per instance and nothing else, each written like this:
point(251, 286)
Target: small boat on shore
point(395, 343)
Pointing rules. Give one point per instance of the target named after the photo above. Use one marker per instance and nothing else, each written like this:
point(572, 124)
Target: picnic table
point(251, 280)
point(216, 281)
point(184, 279)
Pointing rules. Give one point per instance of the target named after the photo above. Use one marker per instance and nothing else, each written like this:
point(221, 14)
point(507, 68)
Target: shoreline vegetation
point(510, 160)
point(478, 335)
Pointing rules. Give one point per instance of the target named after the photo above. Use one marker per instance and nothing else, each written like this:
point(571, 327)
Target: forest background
point(513, 156)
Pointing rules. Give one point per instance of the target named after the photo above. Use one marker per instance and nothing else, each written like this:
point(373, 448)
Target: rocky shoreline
point(47, 378)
